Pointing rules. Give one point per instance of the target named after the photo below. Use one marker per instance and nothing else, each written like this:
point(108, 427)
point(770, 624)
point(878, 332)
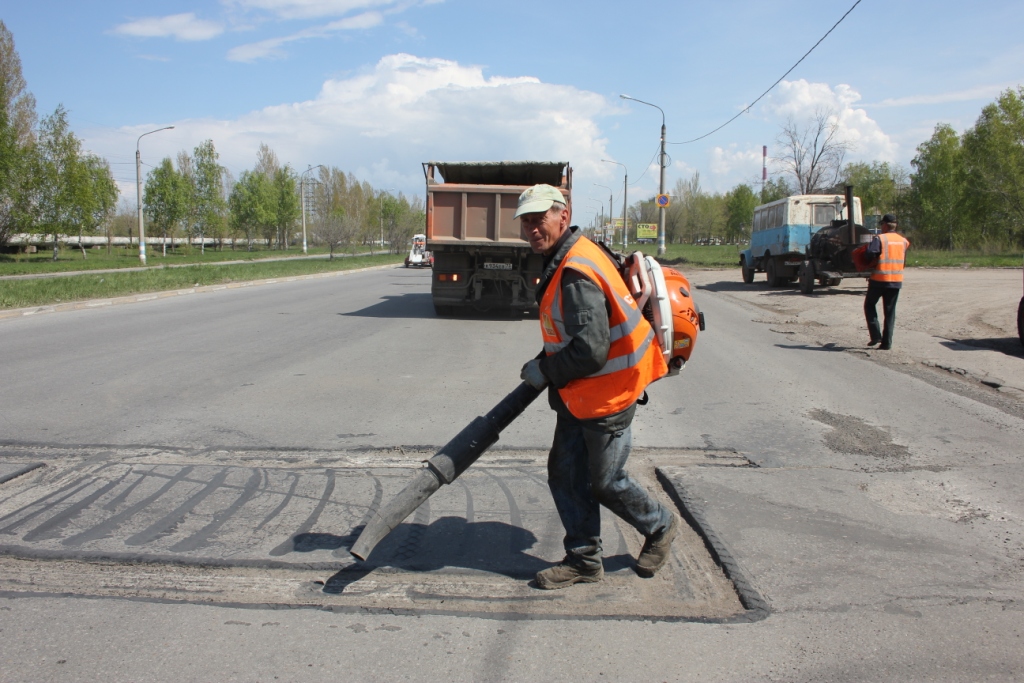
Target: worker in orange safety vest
point(600, 354)
point(889, 253)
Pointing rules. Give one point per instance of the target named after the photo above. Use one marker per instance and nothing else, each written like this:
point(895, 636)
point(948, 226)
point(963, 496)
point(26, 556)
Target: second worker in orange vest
point(886, 280)
point(599, 355)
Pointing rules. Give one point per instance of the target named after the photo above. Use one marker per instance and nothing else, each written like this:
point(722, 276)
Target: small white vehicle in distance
point(419, 256)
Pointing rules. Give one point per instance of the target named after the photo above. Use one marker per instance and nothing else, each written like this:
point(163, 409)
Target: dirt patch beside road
point(961, 323)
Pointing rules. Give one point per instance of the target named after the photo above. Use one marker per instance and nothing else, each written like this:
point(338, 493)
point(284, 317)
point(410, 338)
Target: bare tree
point(813, 152)
point(337, 230)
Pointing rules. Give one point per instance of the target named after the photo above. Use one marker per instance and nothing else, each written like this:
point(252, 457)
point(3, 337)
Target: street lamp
point(381, 197)
point(138, 183)
point(610, 211)
point(302, 193)
point(625, 201)
point(661, 185)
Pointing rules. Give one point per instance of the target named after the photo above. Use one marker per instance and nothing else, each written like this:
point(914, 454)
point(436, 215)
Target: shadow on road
point(831, 346)
point(412, 305)
point(421, 305)
point(785, 290)
point(1010, 346)
point(494, 547)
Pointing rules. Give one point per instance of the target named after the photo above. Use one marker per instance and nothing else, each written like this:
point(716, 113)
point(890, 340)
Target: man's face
point(543, 228)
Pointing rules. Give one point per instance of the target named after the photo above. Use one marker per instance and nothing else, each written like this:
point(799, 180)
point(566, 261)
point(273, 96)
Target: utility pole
point(625, 201)
point(661, 183)
point(138, 184)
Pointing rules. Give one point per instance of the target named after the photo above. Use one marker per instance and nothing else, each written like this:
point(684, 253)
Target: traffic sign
point(662, 201)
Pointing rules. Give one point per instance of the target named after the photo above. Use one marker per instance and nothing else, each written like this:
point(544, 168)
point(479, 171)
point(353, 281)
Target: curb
point(757, 608)
point(151, 296)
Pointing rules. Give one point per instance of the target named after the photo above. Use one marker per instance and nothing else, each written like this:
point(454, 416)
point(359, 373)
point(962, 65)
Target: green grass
point(48, 291)
point(935, 258)
point(711, 256)
point(728, 256)
point(70, 259)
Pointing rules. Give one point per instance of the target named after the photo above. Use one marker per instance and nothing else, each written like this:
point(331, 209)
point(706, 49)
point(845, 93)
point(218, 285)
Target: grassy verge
point(70, 259)
point(711, 256)
point(729, 257)
point(935, 258)
point(48, 291)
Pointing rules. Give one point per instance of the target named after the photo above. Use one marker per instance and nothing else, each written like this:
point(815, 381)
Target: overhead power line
point(748, 107)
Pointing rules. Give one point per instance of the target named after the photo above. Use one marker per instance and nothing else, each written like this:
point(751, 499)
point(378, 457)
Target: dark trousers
point(585, 471)
point(888, 295)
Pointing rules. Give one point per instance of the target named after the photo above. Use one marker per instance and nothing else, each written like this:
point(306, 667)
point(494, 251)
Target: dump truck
point(482, 260)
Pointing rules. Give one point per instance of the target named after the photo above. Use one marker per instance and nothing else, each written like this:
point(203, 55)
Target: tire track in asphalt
point(67, 514)
point(288, 544)
point(106, 528)
point(201, 538)
point(169, 522)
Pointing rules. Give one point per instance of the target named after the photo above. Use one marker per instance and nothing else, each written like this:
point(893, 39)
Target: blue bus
point(780, 237)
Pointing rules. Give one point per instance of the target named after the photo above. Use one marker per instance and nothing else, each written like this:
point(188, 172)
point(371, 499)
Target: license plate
point(497, 266)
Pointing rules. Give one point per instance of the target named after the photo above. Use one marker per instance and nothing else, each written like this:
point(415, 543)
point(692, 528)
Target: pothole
point(854, 436)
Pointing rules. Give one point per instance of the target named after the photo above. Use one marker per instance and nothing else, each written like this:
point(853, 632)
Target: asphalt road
point(882, 522)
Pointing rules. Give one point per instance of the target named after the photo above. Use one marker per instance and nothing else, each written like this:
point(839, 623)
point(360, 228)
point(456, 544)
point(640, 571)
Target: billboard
point(647, 231)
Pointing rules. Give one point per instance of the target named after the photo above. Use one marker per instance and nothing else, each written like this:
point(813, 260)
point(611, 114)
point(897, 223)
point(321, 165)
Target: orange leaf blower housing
point(663, 294)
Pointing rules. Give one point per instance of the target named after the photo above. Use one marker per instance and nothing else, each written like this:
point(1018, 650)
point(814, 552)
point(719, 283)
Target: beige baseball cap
point(538, 198)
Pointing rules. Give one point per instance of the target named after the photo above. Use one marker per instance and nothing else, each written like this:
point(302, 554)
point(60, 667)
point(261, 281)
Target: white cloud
point(800, 100)
point(981, 92)
point(383, 123)
point(179, 26)
point(311, 9)
point(271, 48)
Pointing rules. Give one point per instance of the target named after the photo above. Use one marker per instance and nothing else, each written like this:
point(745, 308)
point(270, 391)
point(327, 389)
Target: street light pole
point(302, 198)
point(138, 187)
point(661, 184)
point(381, 197)
point(610, 211)
point(625, 202)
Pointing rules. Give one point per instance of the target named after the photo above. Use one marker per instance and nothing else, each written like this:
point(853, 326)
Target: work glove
point(532, 375)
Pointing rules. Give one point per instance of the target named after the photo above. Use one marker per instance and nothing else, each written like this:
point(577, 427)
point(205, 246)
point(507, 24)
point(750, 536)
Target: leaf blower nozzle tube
point(444, 467)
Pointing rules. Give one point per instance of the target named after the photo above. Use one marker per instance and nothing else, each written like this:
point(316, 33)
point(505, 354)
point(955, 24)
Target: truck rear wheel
point(770, 270)
point(443, 311)
point(806, 278)
point(746, 270)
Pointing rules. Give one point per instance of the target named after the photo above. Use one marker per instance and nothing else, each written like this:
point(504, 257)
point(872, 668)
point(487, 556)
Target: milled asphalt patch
point(152, 296)
point(266, 527)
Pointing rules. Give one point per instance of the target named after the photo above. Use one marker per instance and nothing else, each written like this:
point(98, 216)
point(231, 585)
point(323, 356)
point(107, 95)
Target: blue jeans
point(585, 471)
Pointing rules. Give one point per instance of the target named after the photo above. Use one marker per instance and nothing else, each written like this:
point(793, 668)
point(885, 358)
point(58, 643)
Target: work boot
point(569, 572)
point(656, 550)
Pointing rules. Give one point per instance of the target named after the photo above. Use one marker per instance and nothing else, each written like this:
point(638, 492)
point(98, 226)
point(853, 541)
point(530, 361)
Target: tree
point(60, 176)
point(879, 185)
point(17, 101)
point(939, 188)
point(775, 189)
point(250, 202)
point(740, 203)
point(96, 197)
point(166, 199)
point(208, 191)
point(285, 206)
point(813, 152)
point(994, 160)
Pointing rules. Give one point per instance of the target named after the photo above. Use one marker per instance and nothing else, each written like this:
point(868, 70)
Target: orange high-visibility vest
point(889, 267)
point(634, 357)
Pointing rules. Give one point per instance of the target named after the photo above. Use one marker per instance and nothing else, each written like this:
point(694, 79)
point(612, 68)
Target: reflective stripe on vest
point(634, 360)
point(889, 267)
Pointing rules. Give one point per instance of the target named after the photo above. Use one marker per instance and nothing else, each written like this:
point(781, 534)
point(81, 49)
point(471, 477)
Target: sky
point(377, 87)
